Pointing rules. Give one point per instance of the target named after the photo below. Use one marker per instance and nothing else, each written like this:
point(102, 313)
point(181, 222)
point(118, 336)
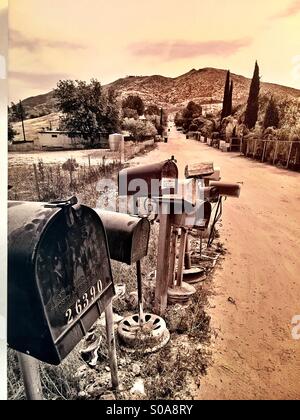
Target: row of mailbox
point(59, 272)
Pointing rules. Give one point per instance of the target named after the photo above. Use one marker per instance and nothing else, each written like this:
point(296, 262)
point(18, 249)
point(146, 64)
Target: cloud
point(19, 40)
point(38, 80)
point(291, 10)
point(186, 49)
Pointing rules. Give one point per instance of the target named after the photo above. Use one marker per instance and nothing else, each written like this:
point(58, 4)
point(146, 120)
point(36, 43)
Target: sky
point(82, 39)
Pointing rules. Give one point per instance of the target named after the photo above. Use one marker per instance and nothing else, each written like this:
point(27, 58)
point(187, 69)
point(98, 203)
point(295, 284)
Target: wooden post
point(122, 150)
point(173, 258)
point(140, 293)
point(37, 182)
point(264, 151)
point(181, 257)
point(247, 149)
point(31, 377)
point(163, 261)
point(289, 156)
point(255, 148)
point(187, 257)
point(22, 120)
point(275, 153)
point(111, 341)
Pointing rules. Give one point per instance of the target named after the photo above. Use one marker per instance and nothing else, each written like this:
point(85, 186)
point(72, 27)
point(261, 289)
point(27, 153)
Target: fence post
point(275, 153)
point(264, 151)
point(289, 156)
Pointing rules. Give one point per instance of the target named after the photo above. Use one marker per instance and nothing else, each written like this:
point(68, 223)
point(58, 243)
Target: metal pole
point(111, 341)
point(183, 240)
point(163, 261)
point(275, 153)
point(173, 258)
point(31, 377)
point(187, 257)
point(140, 292)
point(22, 119)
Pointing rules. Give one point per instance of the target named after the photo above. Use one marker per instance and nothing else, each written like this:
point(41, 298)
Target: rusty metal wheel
point(181, 294)
point(149, 337)
point(194, 275)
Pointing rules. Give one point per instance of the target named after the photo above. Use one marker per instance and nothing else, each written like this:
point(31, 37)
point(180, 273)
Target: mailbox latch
point(66, 205)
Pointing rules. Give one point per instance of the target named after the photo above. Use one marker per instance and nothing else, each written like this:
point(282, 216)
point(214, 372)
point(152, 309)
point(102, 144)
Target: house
point(49, 139)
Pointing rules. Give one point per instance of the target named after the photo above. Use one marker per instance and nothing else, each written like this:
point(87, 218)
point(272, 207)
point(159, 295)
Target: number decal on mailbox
point(69, 316)
point(83, 303)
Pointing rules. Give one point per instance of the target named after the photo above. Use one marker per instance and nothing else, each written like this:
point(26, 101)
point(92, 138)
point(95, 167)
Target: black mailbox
point(59, 277)
point(227, 190)
point(152, 180)
point(128, 236)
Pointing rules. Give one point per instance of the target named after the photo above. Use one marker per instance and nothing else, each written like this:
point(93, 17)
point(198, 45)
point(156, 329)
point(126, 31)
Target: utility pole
point(22, 118)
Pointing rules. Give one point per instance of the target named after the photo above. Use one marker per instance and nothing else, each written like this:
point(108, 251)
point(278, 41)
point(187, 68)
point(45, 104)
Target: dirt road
point(254, 354)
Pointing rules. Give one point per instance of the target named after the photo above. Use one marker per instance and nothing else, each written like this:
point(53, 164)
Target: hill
point(205, 86)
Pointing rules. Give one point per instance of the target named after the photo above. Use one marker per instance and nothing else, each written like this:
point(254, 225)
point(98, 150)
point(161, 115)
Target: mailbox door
point(128, 236)
point(67, 283)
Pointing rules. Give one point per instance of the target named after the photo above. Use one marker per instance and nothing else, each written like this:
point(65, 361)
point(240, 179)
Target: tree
point(191, 112)
point(153, 110)
point(225, 108)
point(230, 99)
point(86, 108)
point(112, 114)
point(134, 102)
point(272, 115)
point(251, 115)
point(139, 129)
point(11, 132)
point(19, 113)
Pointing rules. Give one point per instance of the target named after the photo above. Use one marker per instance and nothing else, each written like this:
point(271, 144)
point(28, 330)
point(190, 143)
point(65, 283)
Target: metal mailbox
point(59, 277)
point(199, 170)
point(152, 180)
point(128, 236)
point(227, 190)
point(199, 219)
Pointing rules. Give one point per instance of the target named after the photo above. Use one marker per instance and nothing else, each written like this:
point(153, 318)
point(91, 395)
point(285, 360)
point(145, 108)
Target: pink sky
point(54, 39)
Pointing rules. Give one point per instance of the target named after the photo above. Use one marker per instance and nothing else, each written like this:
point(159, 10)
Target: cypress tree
point(230, 99)
point(272, 115)
point(251, 115)
point(226, 96)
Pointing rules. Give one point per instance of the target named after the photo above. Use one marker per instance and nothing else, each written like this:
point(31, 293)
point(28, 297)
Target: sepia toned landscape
point(166, 304)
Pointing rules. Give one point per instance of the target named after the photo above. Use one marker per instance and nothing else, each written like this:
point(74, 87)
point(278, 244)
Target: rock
point(81, 372)
point(109, 396)
point(95, 391)
point(138, 387)
point(133, 300)
point(82, 394)
point(136, 369)
point(107, 369)
point(123, 362)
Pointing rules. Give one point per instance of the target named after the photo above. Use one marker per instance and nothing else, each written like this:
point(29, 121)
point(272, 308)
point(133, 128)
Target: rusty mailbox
point(128, 236)
point(59, 277)
point(153, 180)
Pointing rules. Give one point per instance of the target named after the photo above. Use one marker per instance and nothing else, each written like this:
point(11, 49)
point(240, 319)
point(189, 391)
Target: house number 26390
point(84, 302)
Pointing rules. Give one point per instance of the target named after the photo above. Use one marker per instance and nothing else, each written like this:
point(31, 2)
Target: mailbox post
point(128, 239)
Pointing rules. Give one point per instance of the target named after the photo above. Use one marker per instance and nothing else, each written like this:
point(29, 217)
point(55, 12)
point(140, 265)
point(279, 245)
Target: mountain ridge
point(205, 86)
